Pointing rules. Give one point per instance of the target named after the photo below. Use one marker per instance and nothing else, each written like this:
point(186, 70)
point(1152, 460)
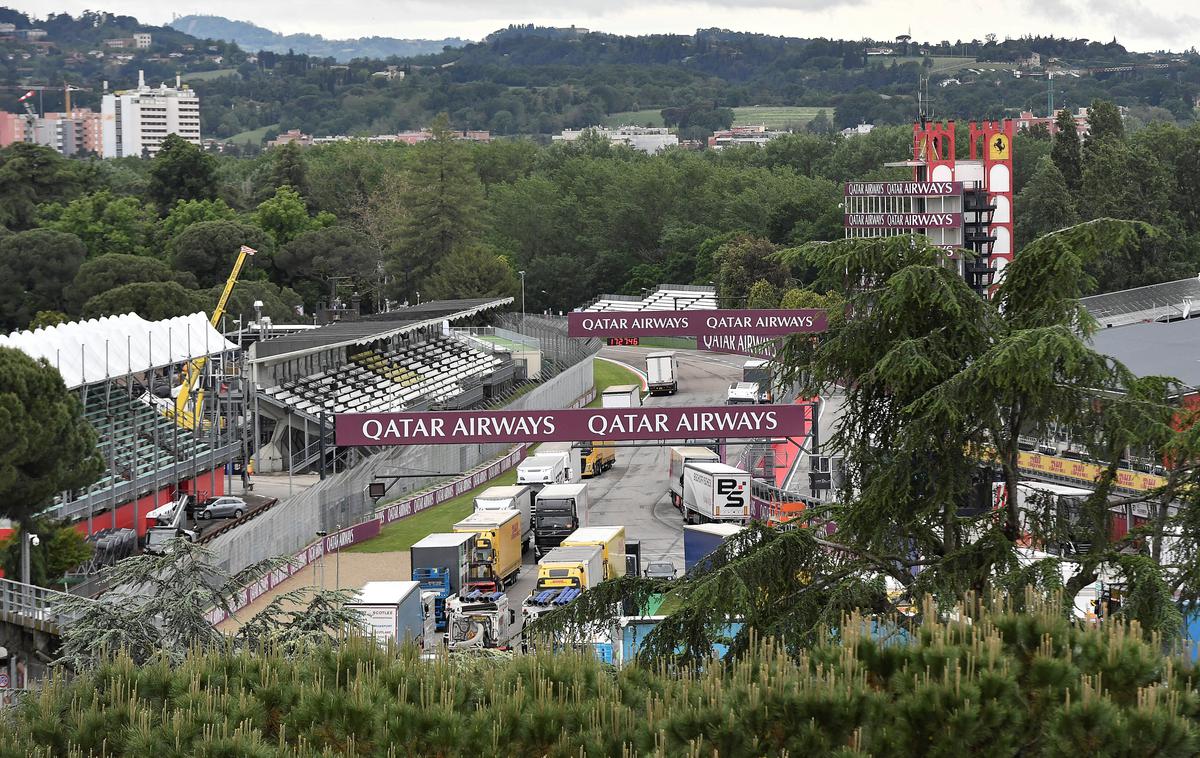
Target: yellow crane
point(190, 417)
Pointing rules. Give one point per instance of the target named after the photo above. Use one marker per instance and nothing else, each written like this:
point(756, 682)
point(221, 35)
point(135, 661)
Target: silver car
point(660, 570)
point(224, 507)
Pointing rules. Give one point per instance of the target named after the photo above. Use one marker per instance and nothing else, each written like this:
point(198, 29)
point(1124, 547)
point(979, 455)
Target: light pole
point(522, 275)
point(28, 539)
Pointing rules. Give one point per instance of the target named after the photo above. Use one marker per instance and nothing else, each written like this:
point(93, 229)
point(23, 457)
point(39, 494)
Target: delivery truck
point(610, 540)
point(479, 620)
point(580, 567)
point(598, 457)
point(621, 396)
point(662, 373)
point(537, 471)
point(700, 540)
point(572, 457)
point(557, 510)
point(759, 372)
point(391, 611)
point(496, 553)
point(715, 492)
point(511, 498)
point(680, 456)
point(441, 564)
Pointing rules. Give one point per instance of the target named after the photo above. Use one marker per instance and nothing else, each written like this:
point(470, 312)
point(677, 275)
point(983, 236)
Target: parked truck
point(598, 457)
point(169, 522)
point(701, 540)
point(511, 498)
point(621, 396)
point(537, 471)
point(580, 567)
point(479, 620)
point(556, 513)
point(662, 373)
point(759, 372)
point(441, 564)
point(715, 492)
point(391, 611)
point(610, 540)
point(680, 456)
point(496, 552)
point(572, 457)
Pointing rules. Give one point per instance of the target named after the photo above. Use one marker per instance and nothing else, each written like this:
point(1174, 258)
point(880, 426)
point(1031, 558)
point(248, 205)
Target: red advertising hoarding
point(902, 220)
point(772, 322)
point(902, 189)
point(570, 425)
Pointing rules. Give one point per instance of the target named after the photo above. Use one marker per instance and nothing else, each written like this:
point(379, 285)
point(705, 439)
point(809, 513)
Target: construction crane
point(186, 412)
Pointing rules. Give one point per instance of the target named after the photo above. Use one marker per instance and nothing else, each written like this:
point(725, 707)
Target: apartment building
point(135, 122)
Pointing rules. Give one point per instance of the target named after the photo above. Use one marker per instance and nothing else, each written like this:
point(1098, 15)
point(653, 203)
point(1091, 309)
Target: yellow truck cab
point(610, 540)
point(580, 567)
point(495, 556)
point(598, 457)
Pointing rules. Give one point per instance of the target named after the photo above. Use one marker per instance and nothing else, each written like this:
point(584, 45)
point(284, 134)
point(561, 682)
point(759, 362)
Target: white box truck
point(512, 498)
point(391, 610)
point(537, 471)
point(662, 373)
point(621, 396)
point(715, 492)
point(572, 457)
point(680, 456)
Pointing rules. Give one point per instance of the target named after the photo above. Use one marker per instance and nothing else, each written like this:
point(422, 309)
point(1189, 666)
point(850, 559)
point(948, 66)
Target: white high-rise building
point(138, 120)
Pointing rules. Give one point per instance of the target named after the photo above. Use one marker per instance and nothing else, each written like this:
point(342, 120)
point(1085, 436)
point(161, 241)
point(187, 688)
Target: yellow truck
point(579, 567)
point(495, 556)
point(598, 457)
point(610, 540)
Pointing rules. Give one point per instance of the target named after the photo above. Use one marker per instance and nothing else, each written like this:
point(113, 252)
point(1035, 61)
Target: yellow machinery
point(187, 417)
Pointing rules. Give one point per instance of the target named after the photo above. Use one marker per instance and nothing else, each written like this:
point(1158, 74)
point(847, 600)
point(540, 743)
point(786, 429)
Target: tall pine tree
point(1046, 204)
point(444, 213)
point(1065, 153)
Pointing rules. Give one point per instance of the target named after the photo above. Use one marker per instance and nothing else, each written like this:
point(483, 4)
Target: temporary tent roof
point(86, 352)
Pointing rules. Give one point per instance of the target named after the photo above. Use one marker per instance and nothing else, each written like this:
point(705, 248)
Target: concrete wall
point(341, 500)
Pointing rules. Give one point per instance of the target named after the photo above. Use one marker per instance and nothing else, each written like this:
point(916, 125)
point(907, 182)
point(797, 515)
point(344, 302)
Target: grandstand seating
point(665, 298)
point(135, 439)
point(378, 381)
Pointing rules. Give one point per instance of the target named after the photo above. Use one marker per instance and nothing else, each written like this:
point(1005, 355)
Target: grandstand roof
point(96, 350)
point(371, 328)
point(1155, 348)
point(1143, 303)
point(668, 297)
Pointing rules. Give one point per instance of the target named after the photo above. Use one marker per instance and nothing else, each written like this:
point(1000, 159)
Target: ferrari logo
point(998, 148)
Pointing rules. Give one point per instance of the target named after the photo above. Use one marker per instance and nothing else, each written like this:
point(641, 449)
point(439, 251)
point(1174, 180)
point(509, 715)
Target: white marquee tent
point(86, 352)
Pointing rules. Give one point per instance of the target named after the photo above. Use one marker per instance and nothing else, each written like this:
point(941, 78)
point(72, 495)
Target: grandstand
point(668, 297)
point(402, 360)
point(1168, 301)
point(116, 365)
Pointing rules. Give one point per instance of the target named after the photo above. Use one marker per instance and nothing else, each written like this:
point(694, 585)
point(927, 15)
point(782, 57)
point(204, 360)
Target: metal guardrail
point(34, 607)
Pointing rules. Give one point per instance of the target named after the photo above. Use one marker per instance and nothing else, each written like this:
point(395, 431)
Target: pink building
point(12, 128)
point(1028, 121)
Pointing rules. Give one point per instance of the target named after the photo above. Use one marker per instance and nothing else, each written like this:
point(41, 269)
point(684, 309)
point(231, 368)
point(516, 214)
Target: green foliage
point(281, 304)
point(105, 222)
point(181, 171)
point(100, 275)
point(1104, 122)
point(187, 212)
point(336, 251)
point(151, 300)
point(31, 175)
point(209, 249)
point(288, 169)
point(763, 295)
point(43, 319)
point(471, 271)
point(1066, 152)
point(284, 217)
point(740, 263)
point(35, 268)
point(1046, 204)
point(994, 683)
point(48, 447)
point(61, 548)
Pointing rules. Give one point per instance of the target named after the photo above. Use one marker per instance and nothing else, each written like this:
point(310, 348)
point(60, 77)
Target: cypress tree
point(1066, 153)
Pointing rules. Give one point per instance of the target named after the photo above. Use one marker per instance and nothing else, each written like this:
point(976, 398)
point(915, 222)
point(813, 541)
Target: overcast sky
point(1139, 25)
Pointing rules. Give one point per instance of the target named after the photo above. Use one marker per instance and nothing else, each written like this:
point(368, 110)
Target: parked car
point(660, 570)
point(224, 507)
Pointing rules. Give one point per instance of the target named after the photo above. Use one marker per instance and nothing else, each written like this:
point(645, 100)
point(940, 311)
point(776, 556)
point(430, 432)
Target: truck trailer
point(537, 471)
point(391, 610)
point(496, 552)
point(580, 567)
point(479, 620)
point(610, 540)
point(571, 455)
point(511, 498)
point(557, 510)
point(662, 373)
point(621, 396)
point(701, 540)
point(680, 456)
point(759, 372)
point(598, 457)
point(715, 492)
point(441, 564)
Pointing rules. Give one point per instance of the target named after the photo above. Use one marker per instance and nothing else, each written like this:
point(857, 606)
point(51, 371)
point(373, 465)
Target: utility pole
point(522, 275)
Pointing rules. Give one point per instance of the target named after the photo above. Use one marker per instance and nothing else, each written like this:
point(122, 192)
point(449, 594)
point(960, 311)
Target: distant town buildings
point(860, 129)
point(137, 121)
point(743, 135)
point(409, 138)
point(648, 139)
point(1027, 120)
point(71, 133)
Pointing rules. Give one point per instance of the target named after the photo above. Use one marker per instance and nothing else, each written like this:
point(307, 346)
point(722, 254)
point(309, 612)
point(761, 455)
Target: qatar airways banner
point(903, 189)
point(569, 425)
point(902, 220)
point(769, 322)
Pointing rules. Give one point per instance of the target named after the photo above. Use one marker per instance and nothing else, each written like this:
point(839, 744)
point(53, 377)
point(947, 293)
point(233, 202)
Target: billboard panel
point(902, 220)
point(902, 189)
point(570, 425)
point(763, 322)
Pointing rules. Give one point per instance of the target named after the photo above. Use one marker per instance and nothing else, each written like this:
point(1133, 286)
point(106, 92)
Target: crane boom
point(191, 374)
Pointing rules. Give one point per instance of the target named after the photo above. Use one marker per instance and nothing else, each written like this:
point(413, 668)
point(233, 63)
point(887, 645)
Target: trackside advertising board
point(766, 322)
point(570, 425)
